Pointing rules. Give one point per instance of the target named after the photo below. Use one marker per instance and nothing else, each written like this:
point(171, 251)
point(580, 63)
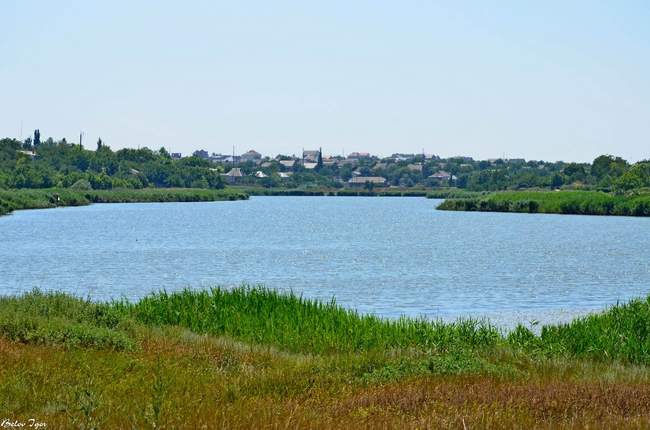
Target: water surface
point(387, 256)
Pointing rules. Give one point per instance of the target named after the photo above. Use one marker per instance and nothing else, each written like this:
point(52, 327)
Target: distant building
point(330, 161)
point(201, 153)
point(358, 155)
point(235, 174)
point(251, 155)
point(415, 167)
point(288, 164)
point(224, 158)
point(176, 155)
point(363, 180)
point(402, 157)
point(31, 154)
point(310, 166)
point(285, 175)
point(349, 162)
point(310, 156)
point(442, 176)
point(260, 174)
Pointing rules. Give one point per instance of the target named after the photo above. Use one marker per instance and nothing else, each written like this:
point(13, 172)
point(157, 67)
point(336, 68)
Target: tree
point(37, 137)
point(99, 143)
point(608, 165)
point(319, 162)
point(556, 180)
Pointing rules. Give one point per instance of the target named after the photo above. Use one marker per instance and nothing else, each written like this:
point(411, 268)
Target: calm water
point(387, 256)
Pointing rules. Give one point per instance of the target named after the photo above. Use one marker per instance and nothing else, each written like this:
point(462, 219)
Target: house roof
point(252, 153)
point(441, 175)
point(359, 155)
point(235, 171)
point(364, 179)
point(287, 163)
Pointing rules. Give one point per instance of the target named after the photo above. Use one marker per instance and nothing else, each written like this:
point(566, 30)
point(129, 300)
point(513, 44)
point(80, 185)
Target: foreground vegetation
point(556, 202)
point(11, 200)
point(250, 358)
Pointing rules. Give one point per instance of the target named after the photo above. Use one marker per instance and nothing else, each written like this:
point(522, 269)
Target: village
point(356, 169)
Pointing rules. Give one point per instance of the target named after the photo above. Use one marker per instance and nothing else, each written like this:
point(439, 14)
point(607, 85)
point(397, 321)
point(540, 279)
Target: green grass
point(455, 193)
point(11, 200)
point(556, 202)
point(295, 324)
point(621, 333)
point(260, 316)
point(59, 319)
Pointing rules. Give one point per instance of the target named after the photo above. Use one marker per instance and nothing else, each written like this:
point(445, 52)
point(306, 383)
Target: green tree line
point(46, 164)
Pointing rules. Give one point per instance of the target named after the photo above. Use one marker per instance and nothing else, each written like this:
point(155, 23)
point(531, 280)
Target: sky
point(551, 80)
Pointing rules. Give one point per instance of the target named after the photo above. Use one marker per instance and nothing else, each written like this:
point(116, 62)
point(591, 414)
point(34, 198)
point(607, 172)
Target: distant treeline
point(557, 202)
point(61, 164)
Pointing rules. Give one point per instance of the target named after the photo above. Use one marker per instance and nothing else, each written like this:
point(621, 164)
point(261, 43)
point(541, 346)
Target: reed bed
point(11, 200)
point(556, 202)
point(292, 323)
point(621, 333)
point(296, 324)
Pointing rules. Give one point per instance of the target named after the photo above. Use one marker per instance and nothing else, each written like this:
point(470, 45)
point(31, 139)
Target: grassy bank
point(250, 358)
point(11, 200)
point(455, 193)
point(556, 202)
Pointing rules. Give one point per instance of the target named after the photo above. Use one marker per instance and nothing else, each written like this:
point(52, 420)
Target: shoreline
point(554, 202)
point(540, 202)
point(25, 199)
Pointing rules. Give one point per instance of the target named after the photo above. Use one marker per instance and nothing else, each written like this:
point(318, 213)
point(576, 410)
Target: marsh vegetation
point(250, 357)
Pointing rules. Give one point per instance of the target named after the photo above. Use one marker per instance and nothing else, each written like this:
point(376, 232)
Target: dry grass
point(177, 379)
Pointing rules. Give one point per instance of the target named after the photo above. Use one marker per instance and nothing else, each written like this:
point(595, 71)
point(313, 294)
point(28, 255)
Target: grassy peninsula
point(555, 202)
point(11, 200)
point(251, 358)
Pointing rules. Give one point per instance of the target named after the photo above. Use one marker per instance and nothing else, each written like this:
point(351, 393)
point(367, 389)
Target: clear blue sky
point(541, 80)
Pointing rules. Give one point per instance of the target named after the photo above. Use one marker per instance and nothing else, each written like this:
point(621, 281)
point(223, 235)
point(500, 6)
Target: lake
point(387, 256)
